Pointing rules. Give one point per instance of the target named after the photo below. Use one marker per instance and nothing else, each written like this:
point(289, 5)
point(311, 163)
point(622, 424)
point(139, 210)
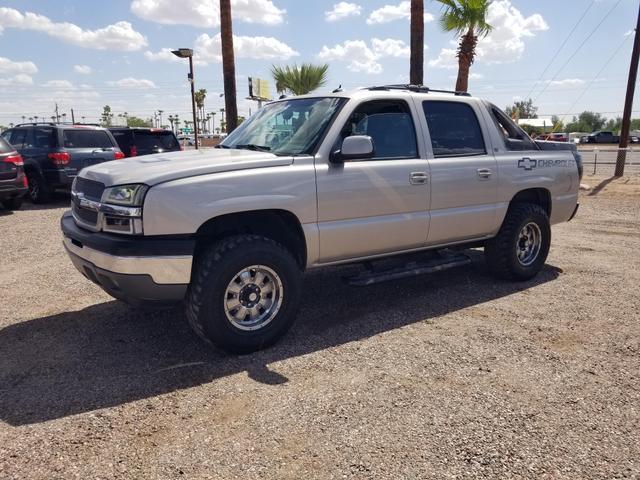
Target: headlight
point(129, 195)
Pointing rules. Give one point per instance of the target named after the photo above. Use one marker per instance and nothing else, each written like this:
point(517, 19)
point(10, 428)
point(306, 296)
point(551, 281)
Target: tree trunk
point(416, 67)
point(466, 55)
point(228, 65)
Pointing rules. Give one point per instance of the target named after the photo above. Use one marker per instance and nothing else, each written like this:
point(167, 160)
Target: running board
point(436, 264)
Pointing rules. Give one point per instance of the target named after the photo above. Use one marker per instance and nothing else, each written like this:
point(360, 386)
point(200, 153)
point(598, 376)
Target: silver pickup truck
point(312, 181)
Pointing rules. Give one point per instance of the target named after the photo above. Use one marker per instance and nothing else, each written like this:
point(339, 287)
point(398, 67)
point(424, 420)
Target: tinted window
point(19, 138)
point(6, 135)
point(454, 129)
point(5, 147)
point(86, 139)
point(43, 138)
point(390, 126)
point(514, 137)
point(156, 140)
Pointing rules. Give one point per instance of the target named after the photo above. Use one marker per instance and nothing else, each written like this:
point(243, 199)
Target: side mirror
point(355, 147)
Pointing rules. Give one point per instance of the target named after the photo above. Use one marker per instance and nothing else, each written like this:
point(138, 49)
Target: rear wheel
point(244, 294)
point(12, 203)
point(521, 247)
point(39, 191)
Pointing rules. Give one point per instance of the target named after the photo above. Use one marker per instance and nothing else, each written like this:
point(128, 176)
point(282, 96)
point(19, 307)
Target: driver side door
point(380, 204)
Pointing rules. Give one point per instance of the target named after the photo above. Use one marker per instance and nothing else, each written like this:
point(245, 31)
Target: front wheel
point(244, 294)
point(521, 247)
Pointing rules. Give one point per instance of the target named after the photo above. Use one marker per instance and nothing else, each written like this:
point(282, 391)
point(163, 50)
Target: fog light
point(117, 224)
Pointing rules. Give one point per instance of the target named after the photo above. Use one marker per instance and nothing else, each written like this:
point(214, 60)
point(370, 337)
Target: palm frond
point(299, 80)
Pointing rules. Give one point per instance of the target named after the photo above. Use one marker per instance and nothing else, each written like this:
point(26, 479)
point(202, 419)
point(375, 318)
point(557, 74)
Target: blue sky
point(86, 54)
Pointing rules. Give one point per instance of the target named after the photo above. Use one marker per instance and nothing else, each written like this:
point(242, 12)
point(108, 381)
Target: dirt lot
point(448, 376)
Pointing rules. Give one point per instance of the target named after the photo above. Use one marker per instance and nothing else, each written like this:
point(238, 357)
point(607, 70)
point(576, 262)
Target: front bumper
point(134, 269)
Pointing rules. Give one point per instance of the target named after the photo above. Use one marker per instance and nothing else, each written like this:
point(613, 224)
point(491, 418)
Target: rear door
point(87, 147)
point(464, 176)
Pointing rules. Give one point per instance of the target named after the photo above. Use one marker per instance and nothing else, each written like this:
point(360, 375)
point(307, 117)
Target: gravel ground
point(449, 376)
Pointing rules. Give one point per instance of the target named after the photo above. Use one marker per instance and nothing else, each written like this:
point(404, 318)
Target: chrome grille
point(90, 188)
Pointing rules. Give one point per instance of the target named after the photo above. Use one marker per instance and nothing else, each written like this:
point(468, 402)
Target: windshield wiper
point(222, 146)
point(257, 148)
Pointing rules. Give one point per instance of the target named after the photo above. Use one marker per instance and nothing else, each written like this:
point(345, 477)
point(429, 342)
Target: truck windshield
point(289, 127)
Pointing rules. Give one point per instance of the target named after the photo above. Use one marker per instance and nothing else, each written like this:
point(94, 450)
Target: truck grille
point(90, 188)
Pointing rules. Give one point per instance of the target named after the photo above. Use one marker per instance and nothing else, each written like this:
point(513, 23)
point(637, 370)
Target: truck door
point(379, 204)
point(464, 177)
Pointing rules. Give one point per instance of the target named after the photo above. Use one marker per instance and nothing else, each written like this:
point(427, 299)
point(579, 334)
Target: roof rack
point(53, 124)
point(418, 88)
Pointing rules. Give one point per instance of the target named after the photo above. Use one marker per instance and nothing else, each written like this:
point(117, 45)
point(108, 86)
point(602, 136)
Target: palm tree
point(416, 62)
point(299, 80)
point(200, 95)
point(468, 19)
point(228, 65)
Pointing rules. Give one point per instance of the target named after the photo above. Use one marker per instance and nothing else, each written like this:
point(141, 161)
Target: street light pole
point(188, 53)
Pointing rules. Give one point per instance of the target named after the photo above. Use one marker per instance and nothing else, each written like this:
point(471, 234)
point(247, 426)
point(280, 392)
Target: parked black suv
point(134, 141)
point(53, 154)
point(13, 182)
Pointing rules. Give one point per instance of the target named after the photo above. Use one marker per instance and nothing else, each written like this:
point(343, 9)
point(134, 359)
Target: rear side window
point(155, 140)
point(43, 138)
point(19, 138)
point(454, 129)
point(514, 137)
point(86, 139)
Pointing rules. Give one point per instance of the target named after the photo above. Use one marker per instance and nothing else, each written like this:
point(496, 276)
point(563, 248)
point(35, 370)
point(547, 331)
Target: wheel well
point(538, 196)
point(279, 225)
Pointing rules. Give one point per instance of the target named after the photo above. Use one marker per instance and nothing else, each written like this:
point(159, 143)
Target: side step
point(436, 263)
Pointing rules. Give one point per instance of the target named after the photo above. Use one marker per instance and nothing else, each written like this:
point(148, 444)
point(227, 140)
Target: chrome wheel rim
point(253, 297)
point(529, 244)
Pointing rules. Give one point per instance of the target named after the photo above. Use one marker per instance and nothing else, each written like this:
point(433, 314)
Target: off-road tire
point(501, 251)
point(39, 191)
point(12, 203)
point(216, 267)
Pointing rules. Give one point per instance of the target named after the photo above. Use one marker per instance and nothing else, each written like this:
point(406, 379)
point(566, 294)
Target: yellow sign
point(259, 88)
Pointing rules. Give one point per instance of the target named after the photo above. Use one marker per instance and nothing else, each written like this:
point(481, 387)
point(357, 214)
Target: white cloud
point(83, 69)
point(566, 82)
point(59, 84)
point(20, 79)
point(363, 58)
point(206, 13)
point(9, 66)
point(505, 43)
point(163, 55)
point(445, 59)
point(131, 82)
point(390, 13)
point(118, 36)
point(342, 10)
point(472, 76)
point(207, 49)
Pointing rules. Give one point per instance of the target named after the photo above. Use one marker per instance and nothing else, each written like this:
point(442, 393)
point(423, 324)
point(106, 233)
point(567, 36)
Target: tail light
point(16, 159)
point(59, 158)
point(134, 151)
point(118, 155)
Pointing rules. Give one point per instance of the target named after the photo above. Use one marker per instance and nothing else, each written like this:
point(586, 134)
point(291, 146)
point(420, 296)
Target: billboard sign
point(259, 88)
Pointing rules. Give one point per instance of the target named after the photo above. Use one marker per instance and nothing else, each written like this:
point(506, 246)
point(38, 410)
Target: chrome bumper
point(162, 269)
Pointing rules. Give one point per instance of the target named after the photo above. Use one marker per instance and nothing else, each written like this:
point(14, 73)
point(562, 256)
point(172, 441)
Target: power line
point(579, 48)
point(559, 49)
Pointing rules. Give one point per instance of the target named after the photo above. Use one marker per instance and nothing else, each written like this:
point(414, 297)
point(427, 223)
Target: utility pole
point(73, 118)
point(57, 115)
point(628, 102)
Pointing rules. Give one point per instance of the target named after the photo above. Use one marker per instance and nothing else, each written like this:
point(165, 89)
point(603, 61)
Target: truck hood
point(163, 167)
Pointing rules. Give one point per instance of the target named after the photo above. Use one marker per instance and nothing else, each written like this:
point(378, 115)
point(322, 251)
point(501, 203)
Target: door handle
point(484, 172)
point(418, 178)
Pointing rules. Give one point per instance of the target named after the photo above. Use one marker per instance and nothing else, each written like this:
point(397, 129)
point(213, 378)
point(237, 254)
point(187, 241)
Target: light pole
point(188, 53)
